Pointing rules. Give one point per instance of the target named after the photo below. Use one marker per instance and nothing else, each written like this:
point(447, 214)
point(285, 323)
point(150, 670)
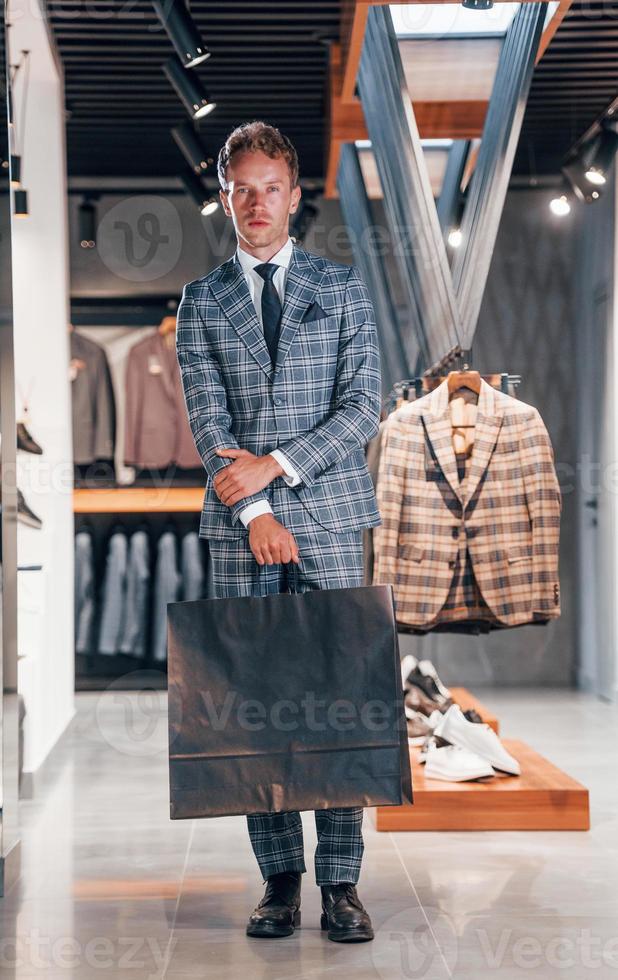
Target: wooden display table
point(465, 700)
point(542, 798)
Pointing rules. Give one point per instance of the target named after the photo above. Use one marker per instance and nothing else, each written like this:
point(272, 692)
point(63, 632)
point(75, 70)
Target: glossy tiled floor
point(111, 887)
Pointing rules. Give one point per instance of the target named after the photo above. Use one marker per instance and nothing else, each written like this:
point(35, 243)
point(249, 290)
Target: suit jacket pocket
point(519, 553)
point(411, 552)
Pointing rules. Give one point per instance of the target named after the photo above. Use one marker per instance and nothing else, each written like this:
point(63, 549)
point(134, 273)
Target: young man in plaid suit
point(279, 360)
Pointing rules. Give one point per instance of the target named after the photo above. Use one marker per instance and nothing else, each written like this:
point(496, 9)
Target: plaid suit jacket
point(319, 404)
point(506, 511)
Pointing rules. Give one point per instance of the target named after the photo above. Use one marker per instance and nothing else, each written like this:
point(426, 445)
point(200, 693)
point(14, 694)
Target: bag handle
point(291, 578)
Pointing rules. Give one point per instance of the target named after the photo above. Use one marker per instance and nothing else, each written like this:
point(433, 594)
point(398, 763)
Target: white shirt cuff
point(291, 477)
point(254, 510)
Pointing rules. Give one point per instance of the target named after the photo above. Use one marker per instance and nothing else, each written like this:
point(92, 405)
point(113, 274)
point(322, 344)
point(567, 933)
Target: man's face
point(259, 198)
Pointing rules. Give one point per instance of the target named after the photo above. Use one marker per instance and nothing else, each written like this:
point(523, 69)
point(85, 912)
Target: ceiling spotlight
point(20, 203)
point(15, 170)
point(477, 4)
point(455, 238)
point(207, 203)
point(574, 172)
point(190, 146)
point(87, 224)
point(600, 156)
point(182, 32)
point(189, 89)
point(595, 176)
point(560, 206)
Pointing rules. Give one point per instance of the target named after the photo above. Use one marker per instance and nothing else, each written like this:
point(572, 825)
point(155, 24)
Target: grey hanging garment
point(114, 594)
point(166, 589)
point(133, 639)
point(84, 591)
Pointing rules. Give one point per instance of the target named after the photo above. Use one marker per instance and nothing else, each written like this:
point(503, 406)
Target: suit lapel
point(488, 422)
point(304, 275)
point(437, 419)
point(232, 293)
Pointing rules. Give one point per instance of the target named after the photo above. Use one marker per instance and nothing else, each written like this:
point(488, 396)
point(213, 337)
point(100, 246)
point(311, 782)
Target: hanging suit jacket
point(505, 513)
point(157, 432)
point(319, 404)
point(92, 398)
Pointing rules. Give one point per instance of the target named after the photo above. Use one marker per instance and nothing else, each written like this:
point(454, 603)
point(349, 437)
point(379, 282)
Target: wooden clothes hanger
point(463, 379)
point(167, 325)
point(167, 331)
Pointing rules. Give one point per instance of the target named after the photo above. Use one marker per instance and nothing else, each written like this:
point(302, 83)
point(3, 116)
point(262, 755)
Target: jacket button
point(279, 400)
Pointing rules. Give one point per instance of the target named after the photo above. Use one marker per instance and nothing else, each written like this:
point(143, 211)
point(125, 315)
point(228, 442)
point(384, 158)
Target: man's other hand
point(248, 474)
point(271, 543)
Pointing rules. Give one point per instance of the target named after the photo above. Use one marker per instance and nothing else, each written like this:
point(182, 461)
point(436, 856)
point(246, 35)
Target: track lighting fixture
point(87, 221)
point(601, 156)
point(189, 89)
point(20, 203)
point(477, 4)
point(15, 170)
point(182, 32)
point(207, 203)
point(189, 144)
point(575, 173)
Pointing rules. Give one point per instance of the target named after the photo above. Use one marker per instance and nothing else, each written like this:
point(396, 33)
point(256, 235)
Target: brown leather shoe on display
point(344, 915)
point(417, 700)
point(278, 913)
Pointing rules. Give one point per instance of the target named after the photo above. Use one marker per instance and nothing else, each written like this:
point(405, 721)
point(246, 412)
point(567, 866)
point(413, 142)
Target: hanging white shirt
point(256, 284)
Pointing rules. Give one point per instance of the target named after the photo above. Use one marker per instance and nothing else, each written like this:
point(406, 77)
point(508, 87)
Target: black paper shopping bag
point(290, 701)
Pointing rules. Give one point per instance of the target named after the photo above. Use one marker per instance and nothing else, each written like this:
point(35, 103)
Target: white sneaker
point(427, 669)
point(407, 666)
point(434, 719)
point(455, 728)
point(454, 764)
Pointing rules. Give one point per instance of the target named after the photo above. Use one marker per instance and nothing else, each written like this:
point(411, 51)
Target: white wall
point(40, 296)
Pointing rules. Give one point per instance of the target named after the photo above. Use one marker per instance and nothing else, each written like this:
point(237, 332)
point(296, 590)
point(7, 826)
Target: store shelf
point(127, 500)
point(465, 700)
point(542, 798)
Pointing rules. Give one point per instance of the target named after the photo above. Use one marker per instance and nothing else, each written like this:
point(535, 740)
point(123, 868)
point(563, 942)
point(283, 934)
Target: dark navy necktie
point(271, 307)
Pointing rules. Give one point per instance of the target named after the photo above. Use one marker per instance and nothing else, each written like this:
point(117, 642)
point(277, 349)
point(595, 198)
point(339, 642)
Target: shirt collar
point(282, 257)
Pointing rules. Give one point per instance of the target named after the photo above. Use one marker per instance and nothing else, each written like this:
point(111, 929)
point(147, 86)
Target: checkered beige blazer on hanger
point(506, 511)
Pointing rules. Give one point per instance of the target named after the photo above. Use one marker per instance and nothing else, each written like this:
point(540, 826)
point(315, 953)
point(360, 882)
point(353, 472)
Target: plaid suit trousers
point(328, 560)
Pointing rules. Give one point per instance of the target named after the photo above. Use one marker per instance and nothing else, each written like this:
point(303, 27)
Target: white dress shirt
point(256, 284)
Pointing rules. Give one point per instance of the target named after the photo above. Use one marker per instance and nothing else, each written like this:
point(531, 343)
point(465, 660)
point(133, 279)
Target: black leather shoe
point(344, 915)
point(25, 515)
point(26, 442)
point(279, 911)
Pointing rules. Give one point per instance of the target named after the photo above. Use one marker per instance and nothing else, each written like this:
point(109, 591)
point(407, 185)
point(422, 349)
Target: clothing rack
point(423, 384)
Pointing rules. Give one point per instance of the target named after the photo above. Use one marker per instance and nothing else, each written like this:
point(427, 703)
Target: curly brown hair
point(254, 136)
